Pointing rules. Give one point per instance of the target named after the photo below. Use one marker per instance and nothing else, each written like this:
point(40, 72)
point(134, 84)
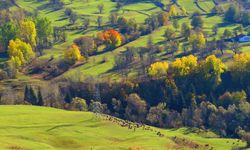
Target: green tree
point(185, 30)
point(73, 18)
point(197, 21)
point(44, 32)
point(232, 14)
point(215, 29)
point(245, 18)
point(169, 34)
point(40, 97)
point(8, 31)
point(176, 24)
point(227, 33)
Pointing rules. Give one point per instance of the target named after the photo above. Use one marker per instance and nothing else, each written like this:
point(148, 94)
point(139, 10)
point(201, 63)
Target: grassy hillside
point(139, 11)
point(29, 127)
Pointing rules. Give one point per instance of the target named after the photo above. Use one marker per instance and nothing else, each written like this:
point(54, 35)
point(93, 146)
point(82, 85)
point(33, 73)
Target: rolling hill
point(38, 128)
point(139, 11)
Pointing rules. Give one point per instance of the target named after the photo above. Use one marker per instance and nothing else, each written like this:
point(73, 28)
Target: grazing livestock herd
point(129, 124)
point(134, 126)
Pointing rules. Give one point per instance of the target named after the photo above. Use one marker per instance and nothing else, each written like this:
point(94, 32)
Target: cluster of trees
point(186, 92)
point(22, 39)
point(57, 4)
point(31, 97)
point(6, 4)
point(22, 36)
point(111, 38)
point(235, 14)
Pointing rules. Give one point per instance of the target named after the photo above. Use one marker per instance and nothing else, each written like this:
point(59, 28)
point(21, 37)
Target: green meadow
point(39, 128)
point(86, 9)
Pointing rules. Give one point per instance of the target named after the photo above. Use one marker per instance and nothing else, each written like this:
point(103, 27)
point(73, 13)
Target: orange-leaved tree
point(111, 38)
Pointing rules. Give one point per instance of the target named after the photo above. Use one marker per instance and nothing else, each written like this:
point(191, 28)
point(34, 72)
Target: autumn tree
point(163, 18)
point(111, 38)
point(20, 52)
point(184, 65)
point(172, 11)
point(86, 44)
point(28, 32)
point(239, 69)
point(73, 54)
point(197, 41)
point(158, 69)
point(210, 70)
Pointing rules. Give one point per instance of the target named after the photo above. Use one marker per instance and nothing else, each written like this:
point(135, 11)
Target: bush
point(78, 104)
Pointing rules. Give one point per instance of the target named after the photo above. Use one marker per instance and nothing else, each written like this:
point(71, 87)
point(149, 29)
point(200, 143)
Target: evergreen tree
point(68, 98)
point(26, 94)
point(40, 97)
point(32, 96)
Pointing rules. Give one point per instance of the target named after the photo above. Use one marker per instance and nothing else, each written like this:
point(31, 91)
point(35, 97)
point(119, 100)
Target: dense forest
point(196, 75)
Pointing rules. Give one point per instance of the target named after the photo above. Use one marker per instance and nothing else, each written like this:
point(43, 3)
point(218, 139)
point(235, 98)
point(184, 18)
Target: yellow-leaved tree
point(184, 66)
point(197, 40)
point(240, 68)
point(20, 52)
point(172, 11)
point(73, 54)
point(211, 69)
point(158, 69)
point(28, 32)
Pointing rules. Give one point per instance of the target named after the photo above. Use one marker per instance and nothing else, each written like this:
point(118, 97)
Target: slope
point(29, 127)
